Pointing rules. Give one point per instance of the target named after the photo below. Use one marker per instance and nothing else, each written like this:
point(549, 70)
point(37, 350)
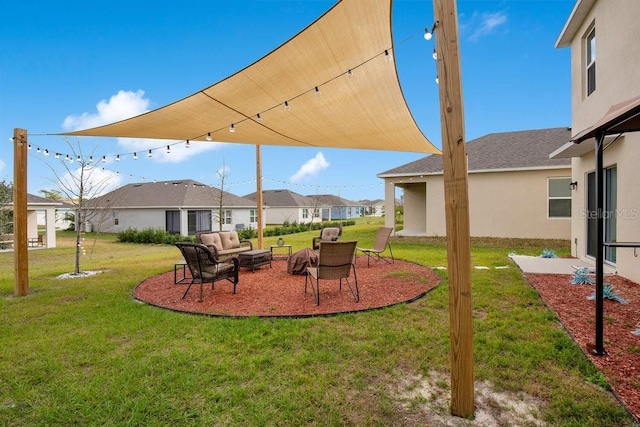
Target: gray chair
point(335, 262)
point(327, 234)
point(379, 246)
point(205, 268)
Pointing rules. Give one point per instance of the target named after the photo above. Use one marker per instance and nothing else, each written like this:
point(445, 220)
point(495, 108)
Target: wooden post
point(21, 257)
point(454, 159)
point(259, 195)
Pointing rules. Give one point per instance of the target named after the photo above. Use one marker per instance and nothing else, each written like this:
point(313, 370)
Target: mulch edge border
point(289, 316)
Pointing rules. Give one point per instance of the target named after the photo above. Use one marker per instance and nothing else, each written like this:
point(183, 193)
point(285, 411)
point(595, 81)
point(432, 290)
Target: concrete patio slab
point(533, 264)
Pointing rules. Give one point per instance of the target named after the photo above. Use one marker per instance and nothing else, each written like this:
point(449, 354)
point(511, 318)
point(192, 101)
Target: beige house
point(515, 189)
point(598, 82)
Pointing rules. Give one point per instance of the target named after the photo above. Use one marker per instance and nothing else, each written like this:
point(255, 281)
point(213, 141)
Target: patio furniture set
point(218, 255)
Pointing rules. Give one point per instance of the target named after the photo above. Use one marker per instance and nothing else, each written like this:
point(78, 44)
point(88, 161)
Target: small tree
point(222, 173)
point(79, 183)
point(6, 210)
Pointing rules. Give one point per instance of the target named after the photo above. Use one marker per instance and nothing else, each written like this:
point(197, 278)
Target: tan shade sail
point(358, 102)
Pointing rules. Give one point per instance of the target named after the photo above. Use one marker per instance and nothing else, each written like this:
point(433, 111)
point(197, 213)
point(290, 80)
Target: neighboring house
point(179, 206)
point(597, 83)
point(39, 206)
point(372, 207)
point(515, 190)
point(336, 208)
point(288, 206)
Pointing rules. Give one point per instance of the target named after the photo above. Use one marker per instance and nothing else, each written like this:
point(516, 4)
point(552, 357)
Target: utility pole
point(456, 193)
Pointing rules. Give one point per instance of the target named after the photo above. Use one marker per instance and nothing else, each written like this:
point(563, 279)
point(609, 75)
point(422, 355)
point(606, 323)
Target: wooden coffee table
point(254, 259)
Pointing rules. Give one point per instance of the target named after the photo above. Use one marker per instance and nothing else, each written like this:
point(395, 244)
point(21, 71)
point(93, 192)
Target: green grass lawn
point(82, 351)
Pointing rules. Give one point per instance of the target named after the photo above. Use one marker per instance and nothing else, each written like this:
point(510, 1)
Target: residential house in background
point(372, 207)
point(289, 206)
point(180, 206)
point(515, 189)
point(597, 83)
point(336, 208)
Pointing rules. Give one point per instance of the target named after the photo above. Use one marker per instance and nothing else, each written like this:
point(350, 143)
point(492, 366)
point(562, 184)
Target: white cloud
point(483, 24)
point(122, 105)
point(310, 168)
point(2, 164)
point(97, 181)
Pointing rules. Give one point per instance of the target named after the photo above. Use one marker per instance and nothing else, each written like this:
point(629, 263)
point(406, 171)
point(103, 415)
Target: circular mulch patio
point(273, 292)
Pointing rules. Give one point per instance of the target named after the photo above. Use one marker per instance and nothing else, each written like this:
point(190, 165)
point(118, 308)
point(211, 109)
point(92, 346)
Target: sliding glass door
point(609, 214)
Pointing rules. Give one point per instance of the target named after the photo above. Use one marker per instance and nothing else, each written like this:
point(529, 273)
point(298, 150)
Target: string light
point(104, 159)
point(259, 118)
point(38, 150)
point(318, 93)
point(90, 159)
point(349, 72)
point(118, 158)
point(29, 147)
point(232, 128)
point(208, 138)
point(135, 156)
point(168, 149)
point(46, 152)
point(387, 56)
point(286, 106)
point(187, 145)
point(151, 155)
point(79, 159)
point(435, 55)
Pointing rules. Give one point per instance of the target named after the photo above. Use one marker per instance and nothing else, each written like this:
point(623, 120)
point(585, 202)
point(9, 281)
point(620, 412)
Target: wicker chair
point(327, 234)
point(379, 246)
point(205, 268)
point(335, 262)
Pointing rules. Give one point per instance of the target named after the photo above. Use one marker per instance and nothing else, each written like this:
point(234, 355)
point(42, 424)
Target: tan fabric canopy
point(363, 109)
point(621, 118)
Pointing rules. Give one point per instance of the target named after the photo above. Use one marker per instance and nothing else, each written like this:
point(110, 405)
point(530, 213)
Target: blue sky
point(74, 64)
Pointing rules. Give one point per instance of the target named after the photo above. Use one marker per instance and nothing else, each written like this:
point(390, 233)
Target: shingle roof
point(528, 149)
point(32, 199)
point(331, 200)
point(170, 194)
point(282, 198)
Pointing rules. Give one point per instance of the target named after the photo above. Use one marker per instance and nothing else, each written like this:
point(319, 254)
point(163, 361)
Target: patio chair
point(327, 234)
point(205, 268)
point(335, 262)
point(379, 246)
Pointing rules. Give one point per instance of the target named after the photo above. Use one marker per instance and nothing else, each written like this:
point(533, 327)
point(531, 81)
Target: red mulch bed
point(273, 292)
point(621, 364)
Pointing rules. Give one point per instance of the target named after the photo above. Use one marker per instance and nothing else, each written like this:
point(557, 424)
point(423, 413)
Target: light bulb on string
point(118, 158)
point(318, 93)
point(57, 156)
point(259, 118)
point(232, 128)
point(79, 159)
point(208, 137)
point(46, 152)
point(435, 55)
point(168, 149)
point(38, 150)
point(427, 34)
point(437, 80)
point(150, 155)
point(187, 145)
point(387, 56)
point(286, 106)
point(349, 73)
point(104, 159)
point(135, 156)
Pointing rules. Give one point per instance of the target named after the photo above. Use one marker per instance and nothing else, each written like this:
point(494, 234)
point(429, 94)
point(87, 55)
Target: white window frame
point(563, 197)
point(590, 62)
point(227, 216)
point(253, 215)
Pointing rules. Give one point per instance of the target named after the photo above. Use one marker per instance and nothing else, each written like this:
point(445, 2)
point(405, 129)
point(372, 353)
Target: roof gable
point(282, 198)
point(500, 151)
point(170, 194)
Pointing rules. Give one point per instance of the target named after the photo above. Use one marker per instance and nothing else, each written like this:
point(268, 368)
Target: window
point(591, 62)
point(305, 213)
point(227, 216)
point(559, 198)
point(316, 213)
point(172, 223)
point(116, 220)
point(198, 221)
point(253, 215)
point(609, 214)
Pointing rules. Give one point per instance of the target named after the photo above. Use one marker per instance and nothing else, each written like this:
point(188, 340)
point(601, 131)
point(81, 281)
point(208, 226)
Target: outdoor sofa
point(223, 244)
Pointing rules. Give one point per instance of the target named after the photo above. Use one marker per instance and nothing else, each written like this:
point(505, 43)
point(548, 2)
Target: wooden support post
point(259, 195)
point(454, 159)
point(21, 257)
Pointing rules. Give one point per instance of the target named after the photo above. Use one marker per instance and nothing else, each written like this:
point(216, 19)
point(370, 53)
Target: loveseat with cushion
point(223, 244)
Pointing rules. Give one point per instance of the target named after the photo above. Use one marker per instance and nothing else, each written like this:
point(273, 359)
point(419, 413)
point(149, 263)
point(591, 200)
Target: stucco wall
point(617, 79)
point(501, 204)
